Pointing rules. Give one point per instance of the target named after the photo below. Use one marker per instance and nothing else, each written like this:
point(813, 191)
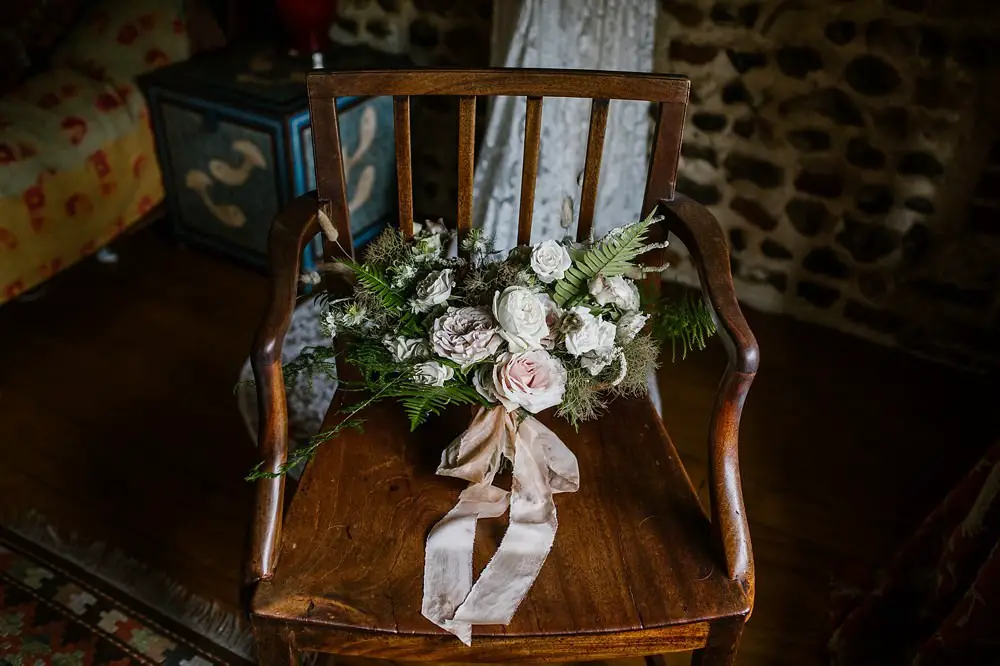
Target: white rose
point(521, 316)
point(465, 335)
point(432, 373)
point(550, 260)
point(586, 333)
point(533, 380)
point(616, 290)
point(553, 320)
point(404, 349)
point(629, 326)
point(433, 290)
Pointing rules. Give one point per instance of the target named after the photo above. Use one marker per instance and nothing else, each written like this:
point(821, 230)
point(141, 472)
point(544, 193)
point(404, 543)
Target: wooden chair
point(638, 568)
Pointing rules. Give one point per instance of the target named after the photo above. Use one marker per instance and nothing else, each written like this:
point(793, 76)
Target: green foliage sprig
point(611, 256)
point(685, 322)
point(311, 363)
point(374, 280)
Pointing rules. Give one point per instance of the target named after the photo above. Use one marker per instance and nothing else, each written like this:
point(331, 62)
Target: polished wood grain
point(274, 644)
point(636, 554)
point(330, 180)
point(634, 549)
point(592, 167)
point(661, 179)
point(292, 229)
point(700, 232)
point(466, 163)
point(723, 642)
point(514, 82)
point(529, 168)
point(104, 433)
point(404, 163)
point(406, 648)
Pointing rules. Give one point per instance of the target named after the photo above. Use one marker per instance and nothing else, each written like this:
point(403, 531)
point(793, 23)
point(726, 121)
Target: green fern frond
point(371, 358)
point(686, 322)
point(420, 401)
point(611, 256)
point(373, 279)
point(312, 362)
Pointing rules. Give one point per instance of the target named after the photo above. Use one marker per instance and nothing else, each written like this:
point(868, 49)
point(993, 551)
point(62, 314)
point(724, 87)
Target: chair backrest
point(670, 92)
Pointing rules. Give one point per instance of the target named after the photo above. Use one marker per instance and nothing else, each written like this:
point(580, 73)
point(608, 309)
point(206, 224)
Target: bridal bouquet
point(554, 325)
point(557, 325)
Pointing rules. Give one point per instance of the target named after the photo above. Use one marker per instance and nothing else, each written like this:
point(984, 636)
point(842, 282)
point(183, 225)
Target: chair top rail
point(502, 81)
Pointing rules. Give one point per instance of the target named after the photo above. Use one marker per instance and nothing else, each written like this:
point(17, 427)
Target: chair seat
point(631, 567)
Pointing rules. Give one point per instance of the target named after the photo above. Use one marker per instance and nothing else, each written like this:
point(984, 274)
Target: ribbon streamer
point(543, 465)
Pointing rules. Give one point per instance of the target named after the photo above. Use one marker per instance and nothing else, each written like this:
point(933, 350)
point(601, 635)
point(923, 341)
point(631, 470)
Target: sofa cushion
point(56, 119)
point(119, 39)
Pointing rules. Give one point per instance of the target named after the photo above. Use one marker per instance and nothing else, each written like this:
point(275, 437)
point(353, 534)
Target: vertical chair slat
point(662, 177)
point(404, 168)
point(529, 169)
point(592, 167)
point(330, 181)
point(466, 163)
point(661, 180)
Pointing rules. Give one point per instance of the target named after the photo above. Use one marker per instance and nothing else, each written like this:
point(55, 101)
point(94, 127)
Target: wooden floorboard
point(117, 422)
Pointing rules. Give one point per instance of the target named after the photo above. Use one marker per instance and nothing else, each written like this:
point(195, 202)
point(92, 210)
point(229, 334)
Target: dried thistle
point(582, 400)
point(641, 357)
point(387, 249)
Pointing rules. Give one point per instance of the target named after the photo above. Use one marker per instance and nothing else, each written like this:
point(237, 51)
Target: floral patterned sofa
point(77, 160)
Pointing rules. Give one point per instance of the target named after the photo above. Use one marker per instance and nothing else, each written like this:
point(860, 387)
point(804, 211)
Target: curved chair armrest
point(701, 233)
point(291, 230)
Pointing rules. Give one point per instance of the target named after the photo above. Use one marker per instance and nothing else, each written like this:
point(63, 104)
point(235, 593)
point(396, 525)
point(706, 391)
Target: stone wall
point(840, 144)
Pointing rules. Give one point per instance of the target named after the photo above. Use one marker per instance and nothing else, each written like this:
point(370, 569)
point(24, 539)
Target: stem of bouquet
point(306, 453)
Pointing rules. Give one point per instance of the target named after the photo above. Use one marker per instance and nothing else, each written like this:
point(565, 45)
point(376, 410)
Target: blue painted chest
point(235, 145)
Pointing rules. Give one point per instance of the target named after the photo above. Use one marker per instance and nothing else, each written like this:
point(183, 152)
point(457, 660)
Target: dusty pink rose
point(533, 380)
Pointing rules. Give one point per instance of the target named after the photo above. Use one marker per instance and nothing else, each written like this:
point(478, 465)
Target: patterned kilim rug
point(54, 613)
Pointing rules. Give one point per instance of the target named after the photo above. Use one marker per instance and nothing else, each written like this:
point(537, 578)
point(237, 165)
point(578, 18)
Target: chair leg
point(723, 641)
point(273, 646)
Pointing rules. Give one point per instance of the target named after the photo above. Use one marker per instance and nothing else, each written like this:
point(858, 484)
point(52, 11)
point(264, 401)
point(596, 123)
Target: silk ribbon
point(543, 465)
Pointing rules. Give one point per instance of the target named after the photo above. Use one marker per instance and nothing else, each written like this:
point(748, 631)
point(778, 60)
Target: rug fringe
point(153, 588)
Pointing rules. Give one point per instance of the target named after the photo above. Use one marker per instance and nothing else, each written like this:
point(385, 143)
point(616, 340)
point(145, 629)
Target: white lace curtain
point(570, 34)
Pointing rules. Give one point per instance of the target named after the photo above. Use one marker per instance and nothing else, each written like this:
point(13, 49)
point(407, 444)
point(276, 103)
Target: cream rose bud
point(432, 373)
point(432, 227)
point(533, 380)
point(521, 316)
point(482, 381)
point(629, 326)
point(586, 333)
point(434, 289)
point(465, 335)
point(615, 290)
point(405, 349)
point(550, 261)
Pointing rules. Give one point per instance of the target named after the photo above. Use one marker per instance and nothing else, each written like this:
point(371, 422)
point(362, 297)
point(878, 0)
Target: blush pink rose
point(534, 380)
